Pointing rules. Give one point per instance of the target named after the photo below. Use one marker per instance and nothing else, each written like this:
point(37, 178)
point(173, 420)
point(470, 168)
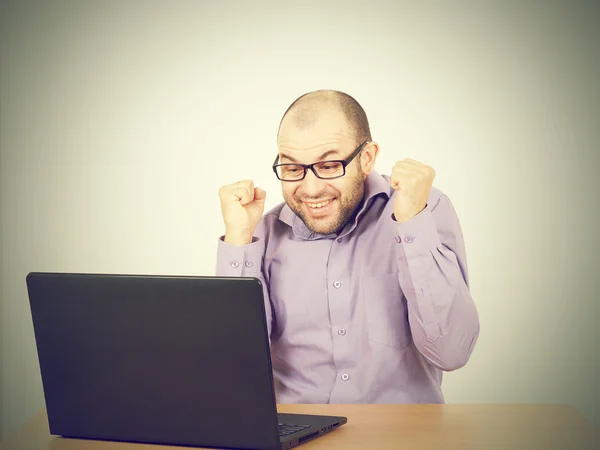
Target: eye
point(329, 166)
point(291, 172)
point(292, 169)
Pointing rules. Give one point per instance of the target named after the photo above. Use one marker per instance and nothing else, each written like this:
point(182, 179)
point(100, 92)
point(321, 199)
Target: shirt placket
point(339, 296)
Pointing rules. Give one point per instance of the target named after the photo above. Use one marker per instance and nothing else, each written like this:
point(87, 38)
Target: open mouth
point(319, 205)
point(319, 208)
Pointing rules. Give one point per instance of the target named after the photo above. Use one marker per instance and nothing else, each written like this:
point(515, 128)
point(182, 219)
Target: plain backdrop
point(120, 120)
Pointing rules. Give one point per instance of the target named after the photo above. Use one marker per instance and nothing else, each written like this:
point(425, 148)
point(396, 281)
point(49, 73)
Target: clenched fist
point(242, 206)
point(413, 182)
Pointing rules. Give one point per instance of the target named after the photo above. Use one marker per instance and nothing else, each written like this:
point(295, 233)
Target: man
point(365, 276)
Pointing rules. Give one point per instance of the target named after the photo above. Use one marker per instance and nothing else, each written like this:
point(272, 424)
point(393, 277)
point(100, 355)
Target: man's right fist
point(242, 206)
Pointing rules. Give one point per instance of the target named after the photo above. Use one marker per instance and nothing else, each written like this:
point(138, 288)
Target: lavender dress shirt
point(374, 314)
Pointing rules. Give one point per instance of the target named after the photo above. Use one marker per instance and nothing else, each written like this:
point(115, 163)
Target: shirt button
point(345, 377)
point(408, 239)
point(341, 332)
point(337, 285)
point(235, 264)
point(339, 240)
point(398, 240)
point(248, 263)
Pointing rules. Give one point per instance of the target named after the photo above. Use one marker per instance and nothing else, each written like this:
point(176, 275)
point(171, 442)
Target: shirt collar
point(375, 185)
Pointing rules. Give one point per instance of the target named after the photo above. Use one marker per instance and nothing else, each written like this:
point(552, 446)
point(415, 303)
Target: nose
point(312, 185)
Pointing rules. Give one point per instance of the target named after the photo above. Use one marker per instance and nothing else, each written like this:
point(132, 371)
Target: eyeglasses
point(326, 170)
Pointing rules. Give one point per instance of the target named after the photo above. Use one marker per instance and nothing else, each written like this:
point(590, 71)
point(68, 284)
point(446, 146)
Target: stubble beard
point(346, 207)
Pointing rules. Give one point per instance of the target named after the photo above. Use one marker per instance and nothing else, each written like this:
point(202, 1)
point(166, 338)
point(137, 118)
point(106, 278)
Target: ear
point(368, 156)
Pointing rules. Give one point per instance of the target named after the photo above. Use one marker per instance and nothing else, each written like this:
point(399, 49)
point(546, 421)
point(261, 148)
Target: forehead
point(326, 131)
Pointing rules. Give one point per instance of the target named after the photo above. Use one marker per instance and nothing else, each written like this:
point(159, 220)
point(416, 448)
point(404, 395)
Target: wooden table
point(414, 427)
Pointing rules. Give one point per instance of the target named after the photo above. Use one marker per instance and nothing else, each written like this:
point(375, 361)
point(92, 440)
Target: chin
point(322, 227)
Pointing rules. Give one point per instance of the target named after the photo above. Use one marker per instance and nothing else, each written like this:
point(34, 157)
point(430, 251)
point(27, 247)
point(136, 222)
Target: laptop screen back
point(159, 359)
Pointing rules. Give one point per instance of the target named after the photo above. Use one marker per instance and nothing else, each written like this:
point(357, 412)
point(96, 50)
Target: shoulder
point(436, 195)
point(270, 220)
point(273, 214)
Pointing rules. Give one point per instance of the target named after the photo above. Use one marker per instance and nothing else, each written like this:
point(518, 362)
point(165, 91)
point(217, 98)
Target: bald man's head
point(306, 109)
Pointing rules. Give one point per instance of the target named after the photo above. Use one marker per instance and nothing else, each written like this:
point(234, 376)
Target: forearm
point(433, 276)
point(442, 315)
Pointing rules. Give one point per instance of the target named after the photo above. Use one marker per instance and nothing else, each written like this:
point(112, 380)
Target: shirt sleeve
point(245, 261)
point(434, 277)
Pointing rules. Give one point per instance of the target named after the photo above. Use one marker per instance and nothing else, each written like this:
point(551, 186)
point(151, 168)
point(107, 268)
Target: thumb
point(259, 195)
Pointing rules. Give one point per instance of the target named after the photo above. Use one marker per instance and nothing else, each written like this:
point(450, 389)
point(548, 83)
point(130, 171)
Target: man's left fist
point(413, 182)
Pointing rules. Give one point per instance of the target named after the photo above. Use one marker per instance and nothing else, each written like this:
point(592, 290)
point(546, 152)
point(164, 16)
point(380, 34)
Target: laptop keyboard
point(285, 429)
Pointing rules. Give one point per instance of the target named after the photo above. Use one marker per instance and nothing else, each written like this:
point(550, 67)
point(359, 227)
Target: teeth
point(318, 205)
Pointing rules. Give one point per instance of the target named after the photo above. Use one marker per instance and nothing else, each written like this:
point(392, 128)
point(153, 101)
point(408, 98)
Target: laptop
point(171, 360)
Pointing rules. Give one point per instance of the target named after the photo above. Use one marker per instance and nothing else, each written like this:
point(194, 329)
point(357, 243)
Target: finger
point(395, 182)
point(243, 195)
point(259, 195)
point(244, 184)
point(420, 167)
point(401, 177)
point(403, 165)
point(402, 172)
point(410, 164)
point(242, 191)
point(417, 172)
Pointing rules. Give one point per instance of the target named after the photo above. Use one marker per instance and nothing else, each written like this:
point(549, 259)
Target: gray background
point(120, 120)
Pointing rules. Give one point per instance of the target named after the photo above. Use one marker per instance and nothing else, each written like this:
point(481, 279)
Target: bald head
point(305, 111)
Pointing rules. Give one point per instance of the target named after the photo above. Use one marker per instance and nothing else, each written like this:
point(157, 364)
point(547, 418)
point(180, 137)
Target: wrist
point(403, 218)
point(238, 237)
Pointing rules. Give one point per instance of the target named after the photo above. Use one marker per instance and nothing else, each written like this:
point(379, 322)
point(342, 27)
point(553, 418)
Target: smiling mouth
point(318, 205)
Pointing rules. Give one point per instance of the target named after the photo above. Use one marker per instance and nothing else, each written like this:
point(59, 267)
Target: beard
point(345, 203)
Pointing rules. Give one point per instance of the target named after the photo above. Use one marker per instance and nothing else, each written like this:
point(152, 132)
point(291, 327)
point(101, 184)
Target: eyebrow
point(321, 158)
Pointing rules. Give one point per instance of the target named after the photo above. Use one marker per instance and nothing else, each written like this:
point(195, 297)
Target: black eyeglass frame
point(344, 163)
